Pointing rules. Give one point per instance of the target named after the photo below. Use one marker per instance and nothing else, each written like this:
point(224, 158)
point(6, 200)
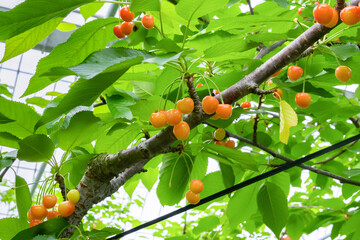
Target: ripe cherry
point(49, 201)
point(343, 73)
point(73, 196)
point(199, 85)
point(173, 116)
point(117, 31)
point(219, 142)
point(270, 82)
point(52, 214)
point(38, 211)
point(126, 14)
point(209, 104)
point(148, 21)
point(350, 15)
point(29, 216)
point(215, 91)
point(126, 28)
point(185, 105)
point(334, 19)
point(323, 13)
point(181, 130)
point(35, 222)
point(224, 111)
point(303, 99)
point(230, 144)
point(294, 73)
point(245, 105)
point(300, 11)
point(66, 208)
point(278, 93)
point(196, 186)
point(192, 198)
point(276, 74)
point(158, 119)
point(219, 134)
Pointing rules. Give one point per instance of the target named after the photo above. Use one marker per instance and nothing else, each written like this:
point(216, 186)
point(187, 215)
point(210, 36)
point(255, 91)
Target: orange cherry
point(29, 216)
point(219, 142)
point(294, 73)
point(199, 85)
point(323, 13)
point(35, 222)
point(52, 214)
point(224, 111)
point(350, 15)
point(245, 105)
point(276, 74)
point(126, 28)
point(158, 119)
point(196, 186)
point(303, 99)
point(126, 14)
point(334, 19)
point(173, 116)
point(148, 21)
point(49, 201)
point(209, 104)
point(185, 105)
point(278, 93)
point(343, 73)
point(38, 211)
point(66, 208)
point(230, 144)
point(117, 31)
point(181, 130)
point(192, 198)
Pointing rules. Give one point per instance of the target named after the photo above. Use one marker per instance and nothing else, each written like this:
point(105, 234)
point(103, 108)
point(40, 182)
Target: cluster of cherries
point(37, 213)
point(126, 27)
point(219, 136)
point(193, 195)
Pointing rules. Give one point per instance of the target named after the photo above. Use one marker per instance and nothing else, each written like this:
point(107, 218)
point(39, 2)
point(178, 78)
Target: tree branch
point(60, 180)
point(192, 92)
point(266, 50)
point(250, 7)
point(103, 102)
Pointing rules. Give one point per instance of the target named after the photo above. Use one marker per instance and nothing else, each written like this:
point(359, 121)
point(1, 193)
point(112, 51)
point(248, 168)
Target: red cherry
point(66, 208)
point(126, 14)
point(334, 19)
point(199, 85)
point(192, 198)
point(323, 13)
point(278, 93)
point(52, 214)
point(49, 201)
point(294, 73)
point(219, 142)
point(276, 74)
point(126, 28)
point(350, 15)
point(230, 144)
point(303, 99)
point(117, 32)
point(148, 21)
point(300, 11)
point(245, 105)
point(224, 111)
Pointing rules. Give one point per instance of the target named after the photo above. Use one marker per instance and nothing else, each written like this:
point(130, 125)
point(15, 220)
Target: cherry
point(126, 14)
point(245, 105)
point(199, 85)
point(350, 15)
point(278, 93)
point(334, 19)
point(29, 216)
point(158, 119)
point(196, 186)
point(181, 130)
point(192, 198)
point(148, 21)
point(209, 104)
point(343, 73)
point(185, 105)
point(173, 116)
point(66, 208)
point(49, 201)
point(303, 99)
point(294, 73)
point(215, 91)
point(35, 222)
point(300, 11)
point(38, 211)
point(230, 144)
point(224, 111)
point(219, 134)
point(270, 82)
point(126, 28)
point(276, 74)
point(117, 31)
point(323, 13)
point(221, 143)
point(317, 2)
point(52, 214)
point(73, 196)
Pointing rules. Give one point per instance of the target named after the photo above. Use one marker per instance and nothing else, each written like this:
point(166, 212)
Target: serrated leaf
point(9, 227)
point(192, 9)
point(9, 140)
point(145, 5)
point(288, 118)
point(32, 13)
point(131, 184)
point(65, 27)
point(90, 9)
point(272, 204)
point(27, 40)
point(23, 198)
point(4, 163)
point(75, 168)
point(38, 101)
point(344, 51)
point(4, 119)
point(36, 148)
point(4, 90)
point(206, 224)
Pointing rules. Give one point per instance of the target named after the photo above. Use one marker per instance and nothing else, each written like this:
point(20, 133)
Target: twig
point(286, 159)
point(250, 7)
point(306, 53)
point(355, 122)
point(264, 51)
point(60, 180)
point(103, 102)
point(5, 170)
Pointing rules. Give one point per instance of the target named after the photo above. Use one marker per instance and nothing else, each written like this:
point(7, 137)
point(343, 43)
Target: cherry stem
point(222, 101)
point(161, 23)
point(168, 86)
point(187, 166)
point(207, 85)
point(172, 171)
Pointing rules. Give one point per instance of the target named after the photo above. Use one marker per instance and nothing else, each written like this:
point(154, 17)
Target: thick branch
point(60, 180)
point(192, 92)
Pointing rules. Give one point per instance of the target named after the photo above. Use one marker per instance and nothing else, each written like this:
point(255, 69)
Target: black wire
point(240, 185)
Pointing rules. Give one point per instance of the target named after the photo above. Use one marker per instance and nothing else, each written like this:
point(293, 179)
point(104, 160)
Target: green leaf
point(242, 205)
point(4, 119)
point(5, 91)
point(9, 227)
point(229, 46)
point(82, 129)
point(145, 5)
point(200, 166)
point(4, 163)
point(150, 177)
point(282, 180)
point(65, 27)
point(295, 226)
point(245, 160)
point(192, 9)
point(118, 139)
point(351, 225)
point(288, 118)
point(32, 13)
point(50, 227)
point(90, 9)
point(89, 38)
point(345, 51)
point(27, 40)
point(9, 140)
point(227, 175)
point(174, 177)
point(36, 148)
point(25, 118)
point(272, 204)
point(206, 224)
point(23, 198)
point(119, 105)
point(38, 101)
point(131, 184)
point(212, 184)
point(75, 168)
